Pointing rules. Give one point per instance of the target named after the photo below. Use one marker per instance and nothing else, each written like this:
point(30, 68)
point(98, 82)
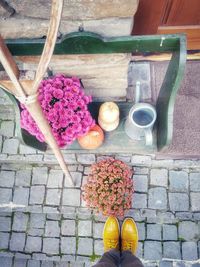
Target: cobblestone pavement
point(42, 218)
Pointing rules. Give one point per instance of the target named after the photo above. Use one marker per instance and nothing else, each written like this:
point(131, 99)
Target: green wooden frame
point(91, 43)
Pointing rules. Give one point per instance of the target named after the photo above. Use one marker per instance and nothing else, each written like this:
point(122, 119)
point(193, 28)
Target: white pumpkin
point(108, 117)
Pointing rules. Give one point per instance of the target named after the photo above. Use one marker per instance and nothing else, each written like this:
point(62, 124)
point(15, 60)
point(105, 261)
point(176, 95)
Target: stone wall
point(31, 18)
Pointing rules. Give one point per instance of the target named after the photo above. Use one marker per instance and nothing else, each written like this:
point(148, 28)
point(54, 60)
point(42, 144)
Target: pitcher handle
point(149, 137)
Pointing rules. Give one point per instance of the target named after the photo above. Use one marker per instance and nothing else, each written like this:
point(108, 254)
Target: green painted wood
point(91, 43)
point(167, 96)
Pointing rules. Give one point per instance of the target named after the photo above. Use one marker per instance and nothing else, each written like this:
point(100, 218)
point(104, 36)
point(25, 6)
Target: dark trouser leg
point(109, 259)
point(130, 260)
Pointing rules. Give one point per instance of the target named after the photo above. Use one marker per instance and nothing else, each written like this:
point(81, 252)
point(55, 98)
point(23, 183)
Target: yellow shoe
point(111, 234)
point(129, 235)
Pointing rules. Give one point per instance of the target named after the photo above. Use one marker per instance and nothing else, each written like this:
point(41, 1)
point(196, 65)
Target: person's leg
point(129, 238)
point(130, 260)
point(111, 234)
point(109, 259)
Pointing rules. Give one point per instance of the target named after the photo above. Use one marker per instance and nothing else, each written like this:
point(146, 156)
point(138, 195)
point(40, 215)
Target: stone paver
point(7, 128)
point(195, 181)
point(85, 228)
point(51, 245)
point(5, 224)
point(20, 222)
point(152, 250)
point(52, 229)
point(5, 262)
point(37, 195)
point(189, 251)
point(159, 177)
point(21, 196)
point(86, 158)
point(139, 201)
point(23, 178)
point(33, 244)
point(141, 231)
point(178, 181)
point(169, 232)
point(172, 250)
point(5, 195)
point(68, 245)
point(39, 176)
point(157, 198)
point(195, 203)
point(154, 231)
point(4, 240)
point(178, 201)
point(71, 197)
point(11, 146)
point(17, 241)
point(188, 231)
point(7, 178)
point(140, 183)
point(85, 246)
point(98, 230)
point(68, 227)
point(37, 220)
point(53, 197)
point(55, 179)
point(140, 160)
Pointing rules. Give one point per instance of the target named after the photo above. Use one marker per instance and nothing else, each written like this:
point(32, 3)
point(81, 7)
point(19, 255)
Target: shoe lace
point(127, 245)
point(111, 243)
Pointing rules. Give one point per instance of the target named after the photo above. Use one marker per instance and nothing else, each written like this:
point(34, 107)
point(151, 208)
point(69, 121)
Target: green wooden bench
point(91, 43)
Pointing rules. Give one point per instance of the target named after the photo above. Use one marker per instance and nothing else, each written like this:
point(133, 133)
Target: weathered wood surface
point(103, 75)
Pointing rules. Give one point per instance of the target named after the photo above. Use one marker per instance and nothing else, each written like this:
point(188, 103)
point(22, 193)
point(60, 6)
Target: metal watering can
point(141, 119)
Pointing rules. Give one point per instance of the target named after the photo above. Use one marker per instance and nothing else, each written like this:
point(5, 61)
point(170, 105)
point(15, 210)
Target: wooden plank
point(147, 17)
point(182, 12)
point(163, 57)
point(192, 33)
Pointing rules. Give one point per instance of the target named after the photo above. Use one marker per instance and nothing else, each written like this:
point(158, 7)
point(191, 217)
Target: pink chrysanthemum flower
point(109, 188)
point(64, 104)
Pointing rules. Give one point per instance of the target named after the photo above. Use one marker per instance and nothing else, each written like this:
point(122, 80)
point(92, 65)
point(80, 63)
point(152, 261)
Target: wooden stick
point(36, 112)
point(10, 66)
point(33, 106)
point(56, 13)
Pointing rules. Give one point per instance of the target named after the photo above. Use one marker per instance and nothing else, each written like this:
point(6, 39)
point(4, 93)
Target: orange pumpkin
point(93, 139)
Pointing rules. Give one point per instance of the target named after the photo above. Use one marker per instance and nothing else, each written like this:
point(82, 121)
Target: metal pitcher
point(141, 119)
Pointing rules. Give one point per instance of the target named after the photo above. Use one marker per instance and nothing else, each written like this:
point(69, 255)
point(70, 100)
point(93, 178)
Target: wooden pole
point(30, 100)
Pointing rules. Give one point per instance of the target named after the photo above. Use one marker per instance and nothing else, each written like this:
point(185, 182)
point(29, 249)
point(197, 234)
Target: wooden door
point(169, 16)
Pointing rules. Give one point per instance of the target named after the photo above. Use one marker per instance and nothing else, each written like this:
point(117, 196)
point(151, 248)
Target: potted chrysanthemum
point(109, 188)
point(65, 106)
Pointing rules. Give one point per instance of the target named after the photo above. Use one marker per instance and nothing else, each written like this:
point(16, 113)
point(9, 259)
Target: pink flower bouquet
point(64, 104)
point(109, 188)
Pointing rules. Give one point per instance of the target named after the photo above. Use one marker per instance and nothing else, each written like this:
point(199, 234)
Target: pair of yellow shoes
point(128, 235)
